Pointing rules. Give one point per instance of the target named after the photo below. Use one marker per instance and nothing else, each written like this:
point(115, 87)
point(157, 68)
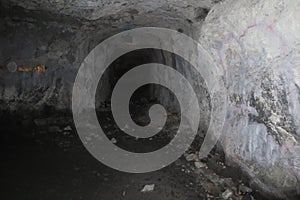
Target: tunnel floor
point(43, 158)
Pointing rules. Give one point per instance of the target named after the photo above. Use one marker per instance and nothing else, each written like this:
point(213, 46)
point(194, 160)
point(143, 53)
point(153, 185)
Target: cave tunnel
point(221, 122)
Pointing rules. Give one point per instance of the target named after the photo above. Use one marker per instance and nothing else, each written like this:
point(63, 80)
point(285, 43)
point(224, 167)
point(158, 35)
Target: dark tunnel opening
point(145, 97)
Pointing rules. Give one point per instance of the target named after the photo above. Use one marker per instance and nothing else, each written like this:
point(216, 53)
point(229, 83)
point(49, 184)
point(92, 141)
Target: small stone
point(200, 164)
point(245, 189)
point(191, 157)
point(227, 194)
point(68, 128)
point(113, 140)
point(148, 188)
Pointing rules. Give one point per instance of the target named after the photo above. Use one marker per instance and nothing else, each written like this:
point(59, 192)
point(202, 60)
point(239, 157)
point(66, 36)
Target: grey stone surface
point(244, 189)
point(227, 194)
point(59, 34)
point(257, 45)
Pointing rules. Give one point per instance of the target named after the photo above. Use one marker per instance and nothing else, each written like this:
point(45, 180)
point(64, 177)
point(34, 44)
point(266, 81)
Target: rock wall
point(59, 34)
point(257, 45)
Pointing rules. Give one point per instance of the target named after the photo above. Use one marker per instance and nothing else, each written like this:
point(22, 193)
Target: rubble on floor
point(215, 186)
point(212, 179)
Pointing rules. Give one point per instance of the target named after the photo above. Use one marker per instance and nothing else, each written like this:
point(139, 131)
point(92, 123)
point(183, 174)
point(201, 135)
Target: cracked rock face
point(257, 45)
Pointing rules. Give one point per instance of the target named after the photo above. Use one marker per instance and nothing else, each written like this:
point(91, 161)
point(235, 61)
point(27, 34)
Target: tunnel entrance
point(145, 97)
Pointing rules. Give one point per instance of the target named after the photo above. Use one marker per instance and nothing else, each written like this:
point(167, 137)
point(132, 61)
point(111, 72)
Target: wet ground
point(43, 158)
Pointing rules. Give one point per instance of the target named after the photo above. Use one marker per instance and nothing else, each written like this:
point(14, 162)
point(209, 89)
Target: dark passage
point(42, 45)
point(42, 156)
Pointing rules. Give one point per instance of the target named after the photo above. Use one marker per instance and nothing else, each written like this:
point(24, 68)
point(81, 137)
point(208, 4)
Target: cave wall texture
point(256, 43)
point(59, 34)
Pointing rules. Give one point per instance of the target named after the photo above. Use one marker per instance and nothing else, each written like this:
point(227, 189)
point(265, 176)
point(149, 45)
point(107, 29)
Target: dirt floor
point(43, 158)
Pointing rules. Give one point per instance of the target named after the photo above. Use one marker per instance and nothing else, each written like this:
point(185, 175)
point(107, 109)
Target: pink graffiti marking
point(230, 36)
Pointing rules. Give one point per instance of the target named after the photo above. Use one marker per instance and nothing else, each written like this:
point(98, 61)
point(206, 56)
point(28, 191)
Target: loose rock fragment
point(148, 188)
point(199, 164)
point(227, 194)
point(245, 189)
point(113, 140)
point(68, 128)
point(191, 157)
point(226, 182)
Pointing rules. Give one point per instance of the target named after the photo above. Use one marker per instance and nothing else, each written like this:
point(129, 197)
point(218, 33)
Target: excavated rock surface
point(257, 45)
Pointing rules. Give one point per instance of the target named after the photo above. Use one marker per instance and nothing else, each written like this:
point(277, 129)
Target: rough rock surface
point(257, 45)
point(255, 42)
point(59, 34)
